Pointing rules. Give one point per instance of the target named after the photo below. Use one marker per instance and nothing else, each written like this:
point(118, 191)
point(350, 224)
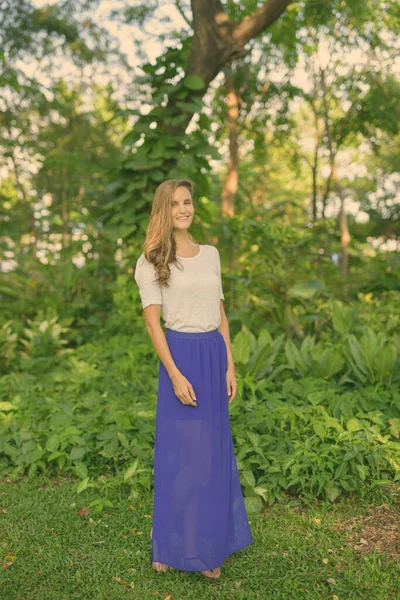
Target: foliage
point(319, 419)
point(317, 413)
point(157, 149)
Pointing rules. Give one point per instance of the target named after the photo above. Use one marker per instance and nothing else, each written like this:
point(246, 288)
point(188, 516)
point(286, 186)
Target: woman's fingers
point(188, 396)
point(184, 391)
point(192, 395)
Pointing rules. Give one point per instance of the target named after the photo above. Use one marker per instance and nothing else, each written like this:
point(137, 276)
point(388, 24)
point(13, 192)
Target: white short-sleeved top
point(192, 301)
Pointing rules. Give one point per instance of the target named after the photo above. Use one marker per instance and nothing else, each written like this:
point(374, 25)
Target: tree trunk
point(79, 197)
point(217, 40)
point(64, 212)
point(344, 229)
point(326, 194)
point(231, 180)
point(314, 168)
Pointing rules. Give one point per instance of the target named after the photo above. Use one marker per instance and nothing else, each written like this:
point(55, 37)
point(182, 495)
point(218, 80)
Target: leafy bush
point(303, 423)
point(300, 430)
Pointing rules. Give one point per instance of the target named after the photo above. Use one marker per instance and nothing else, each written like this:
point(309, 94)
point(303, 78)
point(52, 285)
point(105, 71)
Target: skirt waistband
point(192, 334)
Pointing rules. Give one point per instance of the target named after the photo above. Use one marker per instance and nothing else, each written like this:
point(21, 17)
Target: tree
point(158, 147)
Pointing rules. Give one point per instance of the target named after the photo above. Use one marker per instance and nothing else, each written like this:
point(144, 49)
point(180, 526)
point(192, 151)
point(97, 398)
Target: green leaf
point(36, 454)
point(261, 491)
point(354, 425)
point(55, 455)
point(241, 348)
point(32, 469)
point(394, 424)
point(343, 317)
point(123, 439)
point(175, 120)
point(190, 107)
point(307, 289)
point(77, 452)
point(131, 470)
point(53, 442)
point(315, 398)
point(363, 471)
point(296, 359)
point(385, 361)
point(83, 485)
point(6, 406)
point(381, 482)
point(355, 348)
point(307, 344)
point(332, 493)
point(253, 504)
point(331, 362)
point(319, 429)
point(194, 82)
point(261, 360)
point(254, 438)
point(81, 470)
point(247, 478)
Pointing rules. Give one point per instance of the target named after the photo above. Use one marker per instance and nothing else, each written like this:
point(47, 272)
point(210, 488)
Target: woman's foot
point(157, 566)
point(208, 573)
point(211, 573)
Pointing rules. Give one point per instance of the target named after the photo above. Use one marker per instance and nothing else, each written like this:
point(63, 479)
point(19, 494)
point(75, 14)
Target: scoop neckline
point(191, 257)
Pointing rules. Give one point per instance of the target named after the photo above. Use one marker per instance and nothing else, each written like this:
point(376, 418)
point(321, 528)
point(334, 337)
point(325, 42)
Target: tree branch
point(217, 40)
point(182, 13)
point(261, 19)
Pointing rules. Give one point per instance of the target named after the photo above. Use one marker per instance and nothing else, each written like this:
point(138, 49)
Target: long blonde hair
point(159, 247)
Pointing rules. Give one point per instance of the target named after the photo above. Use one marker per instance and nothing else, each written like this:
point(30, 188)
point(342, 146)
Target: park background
point(286, 117)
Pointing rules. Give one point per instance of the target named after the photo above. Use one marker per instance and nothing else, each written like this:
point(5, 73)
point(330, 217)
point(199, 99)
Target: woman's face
point(182, 209)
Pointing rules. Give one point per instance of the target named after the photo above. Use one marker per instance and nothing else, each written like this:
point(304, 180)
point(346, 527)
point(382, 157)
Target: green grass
point(56, 554)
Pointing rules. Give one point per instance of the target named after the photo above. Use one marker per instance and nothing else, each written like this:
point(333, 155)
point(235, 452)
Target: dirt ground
point(380, 530)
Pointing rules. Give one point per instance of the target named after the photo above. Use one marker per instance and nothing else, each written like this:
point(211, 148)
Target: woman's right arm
point(152, 314)
point(182, 387)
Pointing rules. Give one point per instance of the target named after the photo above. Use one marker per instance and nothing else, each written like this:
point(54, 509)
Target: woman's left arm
point(230, 372)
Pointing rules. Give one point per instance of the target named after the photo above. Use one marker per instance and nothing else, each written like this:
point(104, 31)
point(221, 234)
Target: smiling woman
point(199, 515)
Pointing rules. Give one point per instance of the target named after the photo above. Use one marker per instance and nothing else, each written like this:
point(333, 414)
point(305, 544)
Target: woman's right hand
point(184, 389)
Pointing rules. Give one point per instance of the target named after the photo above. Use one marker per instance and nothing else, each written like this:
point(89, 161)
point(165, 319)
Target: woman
point(199, 516)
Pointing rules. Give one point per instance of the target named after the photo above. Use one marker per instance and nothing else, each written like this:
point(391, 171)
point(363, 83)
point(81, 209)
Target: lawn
point(53, 547)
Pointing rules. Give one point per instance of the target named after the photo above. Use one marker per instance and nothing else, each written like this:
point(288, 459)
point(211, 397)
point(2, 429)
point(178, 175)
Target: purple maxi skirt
point(199, 516)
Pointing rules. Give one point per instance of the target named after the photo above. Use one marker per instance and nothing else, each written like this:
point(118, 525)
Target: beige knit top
point(192, 300)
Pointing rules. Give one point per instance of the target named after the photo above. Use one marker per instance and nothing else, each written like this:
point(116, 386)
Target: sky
point(146, 34)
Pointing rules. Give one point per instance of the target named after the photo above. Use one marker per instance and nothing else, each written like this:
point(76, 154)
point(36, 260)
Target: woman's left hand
point(231, 382)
